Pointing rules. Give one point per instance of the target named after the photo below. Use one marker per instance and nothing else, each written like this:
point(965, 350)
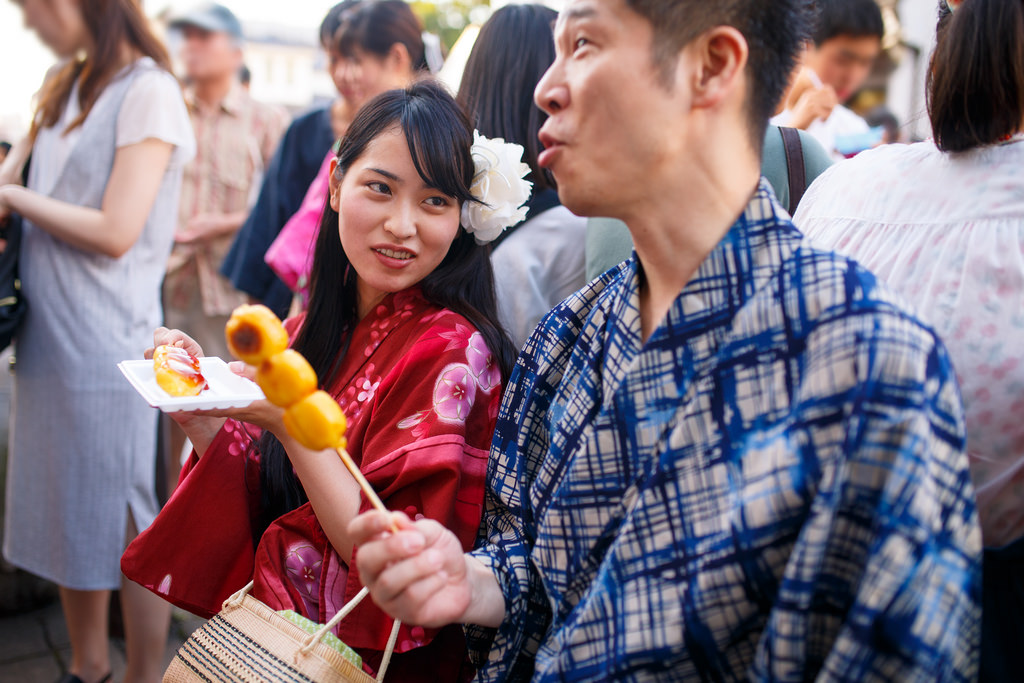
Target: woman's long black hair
point(439, 136)
point(513, 51)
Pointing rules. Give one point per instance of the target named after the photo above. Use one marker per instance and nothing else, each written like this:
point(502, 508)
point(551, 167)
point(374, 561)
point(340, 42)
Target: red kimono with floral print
point(421, 392)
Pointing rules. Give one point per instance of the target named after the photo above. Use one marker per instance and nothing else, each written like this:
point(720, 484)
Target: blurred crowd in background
point(286, 64)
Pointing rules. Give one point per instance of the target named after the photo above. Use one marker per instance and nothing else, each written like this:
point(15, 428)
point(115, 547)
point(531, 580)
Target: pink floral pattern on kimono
point(361, 392)
point(303, 562)
point(456, 387)
point(454, 393)
point(240, 438)
point(483, 363)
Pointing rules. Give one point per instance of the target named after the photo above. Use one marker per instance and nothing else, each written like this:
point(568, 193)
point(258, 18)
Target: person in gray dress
point(111, 135)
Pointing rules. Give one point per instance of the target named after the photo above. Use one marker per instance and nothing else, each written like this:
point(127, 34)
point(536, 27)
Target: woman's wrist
point(8, 196)
point(202, 432)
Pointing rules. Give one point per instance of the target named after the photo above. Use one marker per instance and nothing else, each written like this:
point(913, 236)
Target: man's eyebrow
point(853, 54)
point(386, 174)
point(574, 14)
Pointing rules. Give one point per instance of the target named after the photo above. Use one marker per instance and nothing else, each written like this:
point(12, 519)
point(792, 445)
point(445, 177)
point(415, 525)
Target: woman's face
point(336, 68)
point(58, 23)
point(394, 229)
point(363, 75)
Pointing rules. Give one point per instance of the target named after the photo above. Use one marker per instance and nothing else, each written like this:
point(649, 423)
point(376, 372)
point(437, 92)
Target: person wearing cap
point(297, 163)
point(235, 136)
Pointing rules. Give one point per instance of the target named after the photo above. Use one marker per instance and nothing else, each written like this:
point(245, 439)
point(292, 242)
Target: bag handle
point(236, 599)
point(311, 641)
point(794, 166)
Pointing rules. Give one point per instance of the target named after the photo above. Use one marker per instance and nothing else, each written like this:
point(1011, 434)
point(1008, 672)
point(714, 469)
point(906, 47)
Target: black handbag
point(12, 303)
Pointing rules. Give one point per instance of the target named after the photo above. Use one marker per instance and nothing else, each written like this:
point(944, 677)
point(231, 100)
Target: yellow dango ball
point(317, 422)
point(286, 378)
point(254, 334)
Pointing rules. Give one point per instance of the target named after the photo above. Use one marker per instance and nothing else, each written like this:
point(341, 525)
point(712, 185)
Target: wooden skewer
point(371, 495)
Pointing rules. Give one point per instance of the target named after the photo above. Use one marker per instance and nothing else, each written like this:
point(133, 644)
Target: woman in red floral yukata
point(402, 329)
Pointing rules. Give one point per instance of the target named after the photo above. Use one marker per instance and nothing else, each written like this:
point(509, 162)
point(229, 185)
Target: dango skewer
point(312, 417)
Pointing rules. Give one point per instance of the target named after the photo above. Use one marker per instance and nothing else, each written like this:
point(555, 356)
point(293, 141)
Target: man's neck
point(211, 93)
point(676, 228)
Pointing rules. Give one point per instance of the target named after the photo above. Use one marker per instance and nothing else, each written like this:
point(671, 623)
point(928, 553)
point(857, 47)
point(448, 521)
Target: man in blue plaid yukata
point(734, 457)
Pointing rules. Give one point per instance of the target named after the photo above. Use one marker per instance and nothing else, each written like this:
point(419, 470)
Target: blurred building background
point(287, 64)
point(898, 81)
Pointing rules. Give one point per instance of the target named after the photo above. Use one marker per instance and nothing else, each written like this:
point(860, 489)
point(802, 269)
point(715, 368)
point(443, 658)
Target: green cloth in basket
point(330, 639)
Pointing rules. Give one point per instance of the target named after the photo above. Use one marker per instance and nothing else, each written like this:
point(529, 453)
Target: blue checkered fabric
point(772, 487)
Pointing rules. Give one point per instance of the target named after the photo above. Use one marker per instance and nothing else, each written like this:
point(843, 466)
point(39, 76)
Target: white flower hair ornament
point(499, 187)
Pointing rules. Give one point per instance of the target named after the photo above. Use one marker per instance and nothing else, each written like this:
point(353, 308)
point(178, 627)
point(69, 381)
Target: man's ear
point(335, 183)
point(720, 56)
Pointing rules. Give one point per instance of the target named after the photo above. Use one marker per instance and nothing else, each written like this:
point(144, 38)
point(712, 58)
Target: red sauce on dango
point(183, 363)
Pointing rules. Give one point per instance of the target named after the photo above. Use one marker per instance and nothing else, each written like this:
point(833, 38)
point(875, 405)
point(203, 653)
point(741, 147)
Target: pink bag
point(291, 254)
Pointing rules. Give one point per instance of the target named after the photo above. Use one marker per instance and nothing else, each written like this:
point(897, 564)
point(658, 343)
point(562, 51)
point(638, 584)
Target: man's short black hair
point(850, 18)
point(5, 146)
point(775, 30)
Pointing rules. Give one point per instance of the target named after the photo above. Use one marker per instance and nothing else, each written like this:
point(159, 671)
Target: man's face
point(615, 122)
point(209, 54)
point(844, 62)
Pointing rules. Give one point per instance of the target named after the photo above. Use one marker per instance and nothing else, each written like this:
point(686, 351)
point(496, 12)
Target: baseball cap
point(212, 17)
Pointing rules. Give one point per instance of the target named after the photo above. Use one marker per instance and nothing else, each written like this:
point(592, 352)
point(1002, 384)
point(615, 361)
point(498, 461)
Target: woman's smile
point(394, 257)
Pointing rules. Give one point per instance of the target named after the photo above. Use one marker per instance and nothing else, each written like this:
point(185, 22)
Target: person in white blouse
point(110, 138)
point(943, 222)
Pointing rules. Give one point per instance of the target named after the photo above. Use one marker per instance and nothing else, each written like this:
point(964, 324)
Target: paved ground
point(34, 646)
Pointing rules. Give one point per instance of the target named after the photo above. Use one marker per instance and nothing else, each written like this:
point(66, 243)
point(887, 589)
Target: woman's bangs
point(348, 40)
point(442, 159)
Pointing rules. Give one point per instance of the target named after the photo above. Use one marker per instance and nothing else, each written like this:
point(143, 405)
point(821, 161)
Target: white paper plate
point(227, 390)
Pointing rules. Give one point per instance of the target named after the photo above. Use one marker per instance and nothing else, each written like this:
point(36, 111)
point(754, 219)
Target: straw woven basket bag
point(247, 642)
